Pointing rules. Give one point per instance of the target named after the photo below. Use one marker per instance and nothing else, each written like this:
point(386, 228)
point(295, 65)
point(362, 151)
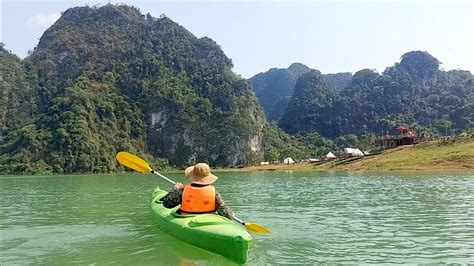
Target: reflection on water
point(314, 217)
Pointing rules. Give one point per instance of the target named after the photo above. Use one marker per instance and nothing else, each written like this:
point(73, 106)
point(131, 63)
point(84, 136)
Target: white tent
point(353, 152)
point(288, 160)
point(264, 163)
point(349, 151)
point(330, 155)
point(357, 152)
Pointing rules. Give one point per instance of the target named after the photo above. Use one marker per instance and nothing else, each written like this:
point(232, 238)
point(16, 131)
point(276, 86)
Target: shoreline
point(297, 167)
point(450, 155)
point(305, 167)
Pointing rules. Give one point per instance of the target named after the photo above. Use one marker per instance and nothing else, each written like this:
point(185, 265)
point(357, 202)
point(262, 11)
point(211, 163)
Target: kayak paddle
point(138, 164)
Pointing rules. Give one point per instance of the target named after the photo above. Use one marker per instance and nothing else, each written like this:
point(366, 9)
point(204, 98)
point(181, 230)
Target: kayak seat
point(159, 195)
point(176, 213)
point(159, 200)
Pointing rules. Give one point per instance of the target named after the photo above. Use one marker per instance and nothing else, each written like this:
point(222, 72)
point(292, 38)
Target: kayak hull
point(207, 231)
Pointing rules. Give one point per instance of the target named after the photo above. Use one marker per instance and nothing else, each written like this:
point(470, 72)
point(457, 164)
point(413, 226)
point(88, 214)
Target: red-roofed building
point(406, 136)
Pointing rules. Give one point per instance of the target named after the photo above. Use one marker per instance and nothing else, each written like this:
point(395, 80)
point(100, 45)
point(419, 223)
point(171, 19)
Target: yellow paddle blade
point(134, 162)
point(257, 228)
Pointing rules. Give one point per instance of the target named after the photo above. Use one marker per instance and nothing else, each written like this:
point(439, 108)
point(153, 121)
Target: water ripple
point(315, 217)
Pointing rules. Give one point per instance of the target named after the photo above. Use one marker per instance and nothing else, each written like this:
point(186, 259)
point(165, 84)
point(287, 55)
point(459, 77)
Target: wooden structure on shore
point(406, 136)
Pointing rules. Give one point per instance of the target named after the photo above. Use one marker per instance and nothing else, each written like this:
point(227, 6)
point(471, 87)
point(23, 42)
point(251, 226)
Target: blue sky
point(331, 36)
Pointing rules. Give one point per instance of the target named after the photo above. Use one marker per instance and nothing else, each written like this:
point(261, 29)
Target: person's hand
point(178, 186)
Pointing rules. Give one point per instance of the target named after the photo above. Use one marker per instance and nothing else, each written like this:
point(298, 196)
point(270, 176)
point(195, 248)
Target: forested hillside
point(414, 92)
point(310, 104)
point(338, 81)
point(107, 79)
point(274, 88)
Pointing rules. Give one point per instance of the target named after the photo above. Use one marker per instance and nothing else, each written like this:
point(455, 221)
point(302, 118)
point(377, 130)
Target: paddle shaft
point(172, 182)
point(164, 177)
point(238, 220)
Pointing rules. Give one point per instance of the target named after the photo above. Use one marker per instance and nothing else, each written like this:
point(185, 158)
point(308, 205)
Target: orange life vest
point(198, 199)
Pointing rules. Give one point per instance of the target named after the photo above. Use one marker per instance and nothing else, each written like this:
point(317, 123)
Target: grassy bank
point(451, 153)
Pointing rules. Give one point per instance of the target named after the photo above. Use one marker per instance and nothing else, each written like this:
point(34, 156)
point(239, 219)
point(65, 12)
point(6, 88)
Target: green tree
point(446, 124)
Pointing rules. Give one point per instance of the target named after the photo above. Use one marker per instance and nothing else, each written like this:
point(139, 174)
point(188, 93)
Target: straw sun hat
point(200, 174)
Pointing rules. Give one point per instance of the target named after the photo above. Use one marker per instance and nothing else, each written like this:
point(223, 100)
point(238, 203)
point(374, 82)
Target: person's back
point(199, 196)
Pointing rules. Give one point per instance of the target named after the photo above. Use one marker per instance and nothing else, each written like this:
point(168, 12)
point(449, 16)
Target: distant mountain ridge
point(338, 81)
point(274, 87)
point(413, 92)
point(311, 98)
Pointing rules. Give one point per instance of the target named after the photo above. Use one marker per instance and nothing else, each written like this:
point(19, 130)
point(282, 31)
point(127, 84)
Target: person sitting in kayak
point(199, 196)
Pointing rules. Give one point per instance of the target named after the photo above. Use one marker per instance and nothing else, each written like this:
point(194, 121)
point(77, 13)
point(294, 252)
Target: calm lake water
point(314, 217)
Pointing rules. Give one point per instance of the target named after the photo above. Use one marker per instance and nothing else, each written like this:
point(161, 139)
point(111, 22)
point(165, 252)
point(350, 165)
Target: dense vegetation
point(413, 92)
point(308, 108)
point(274, 88)
point(107, 79)
point(338, 81)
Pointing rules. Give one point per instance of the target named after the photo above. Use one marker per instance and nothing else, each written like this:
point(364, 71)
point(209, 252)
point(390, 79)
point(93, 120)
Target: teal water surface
point(314, 217)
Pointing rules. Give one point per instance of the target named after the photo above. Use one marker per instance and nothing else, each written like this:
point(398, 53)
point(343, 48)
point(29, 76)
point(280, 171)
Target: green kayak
point(207, 231)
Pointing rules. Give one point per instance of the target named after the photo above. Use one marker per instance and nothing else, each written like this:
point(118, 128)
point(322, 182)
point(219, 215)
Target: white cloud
point(43, 20)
